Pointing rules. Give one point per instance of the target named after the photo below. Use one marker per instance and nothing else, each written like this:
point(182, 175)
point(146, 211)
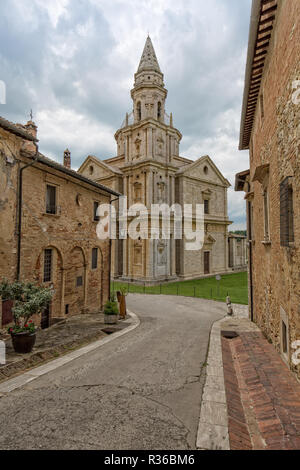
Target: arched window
point(159, 110)
point(139, 111)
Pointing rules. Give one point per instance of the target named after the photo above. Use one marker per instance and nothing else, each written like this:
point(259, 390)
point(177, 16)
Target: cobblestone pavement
point(56, 340)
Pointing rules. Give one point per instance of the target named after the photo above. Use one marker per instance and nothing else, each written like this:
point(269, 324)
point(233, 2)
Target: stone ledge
point(40, 357)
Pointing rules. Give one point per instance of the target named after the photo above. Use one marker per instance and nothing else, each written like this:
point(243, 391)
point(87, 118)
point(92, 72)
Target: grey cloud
point(84, 62)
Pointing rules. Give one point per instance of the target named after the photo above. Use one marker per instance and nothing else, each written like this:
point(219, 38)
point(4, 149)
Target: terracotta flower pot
point(110, 319)
point(23, 342)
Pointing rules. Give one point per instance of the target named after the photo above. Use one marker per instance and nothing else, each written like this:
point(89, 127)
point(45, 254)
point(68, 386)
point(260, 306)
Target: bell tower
point(149, 93)
point(148, 133)
point(148, 155)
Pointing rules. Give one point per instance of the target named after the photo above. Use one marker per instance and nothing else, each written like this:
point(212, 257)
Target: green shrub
point(29, 300)
point(111, 307)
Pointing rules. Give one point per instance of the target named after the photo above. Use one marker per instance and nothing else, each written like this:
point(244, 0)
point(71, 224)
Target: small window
point(79, 281)
point(139, 111)
point(47, 265)
point(96, 217)
point(95, 258)
point(284, 338)
point(159, 110)
point(286, 213)
point(51, 199)
point(206, 206)
point(205, 169)
point(67, 309)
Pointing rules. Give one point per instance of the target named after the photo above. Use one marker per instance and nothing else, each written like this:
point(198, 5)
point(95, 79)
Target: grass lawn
point(235, 285)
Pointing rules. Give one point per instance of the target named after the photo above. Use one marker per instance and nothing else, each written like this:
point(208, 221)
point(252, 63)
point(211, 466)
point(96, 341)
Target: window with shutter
point(47, 265)
point(95, 258)
point(96, 217)
point(206, 206)
point(286, 212)
point(51, 199)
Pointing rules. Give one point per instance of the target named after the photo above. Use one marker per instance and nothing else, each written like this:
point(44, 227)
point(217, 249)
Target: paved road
point(141, 391)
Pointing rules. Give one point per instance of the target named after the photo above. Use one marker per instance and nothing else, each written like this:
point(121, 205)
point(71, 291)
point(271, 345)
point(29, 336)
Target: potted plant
point(29, 300)
point(122, 294)
point(111, 311)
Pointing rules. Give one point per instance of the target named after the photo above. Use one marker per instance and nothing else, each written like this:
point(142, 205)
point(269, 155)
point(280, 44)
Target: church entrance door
point(206, 262)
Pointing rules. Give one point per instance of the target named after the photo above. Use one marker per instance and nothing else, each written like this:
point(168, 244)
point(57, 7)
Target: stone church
point(149, 170)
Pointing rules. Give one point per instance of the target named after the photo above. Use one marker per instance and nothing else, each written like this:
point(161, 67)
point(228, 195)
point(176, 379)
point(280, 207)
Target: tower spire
point(149, 72)
point(149, 60)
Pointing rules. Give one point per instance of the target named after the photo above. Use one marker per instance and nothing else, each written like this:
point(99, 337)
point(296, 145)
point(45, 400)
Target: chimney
point(67, 158)
point(31, 128)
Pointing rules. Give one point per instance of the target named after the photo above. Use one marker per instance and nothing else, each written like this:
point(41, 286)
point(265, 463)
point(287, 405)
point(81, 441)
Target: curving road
point(140, 391)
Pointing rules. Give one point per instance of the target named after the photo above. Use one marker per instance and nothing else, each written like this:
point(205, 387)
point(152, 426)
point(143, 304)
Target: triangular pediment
point(209, 239)
point(204, 169)
point(95, 169)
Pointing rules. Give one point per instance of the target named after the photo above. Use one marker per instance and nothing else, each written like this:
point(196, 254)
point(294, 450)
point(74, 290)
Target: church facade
point(148, 169)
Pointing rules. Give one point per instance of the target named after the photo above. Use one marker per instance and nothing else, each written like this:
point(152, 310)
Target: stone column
point(226, 249)
point(125, 267)
point(129, 147)
point(150, 142)
point(153, 143)
point(234, 252)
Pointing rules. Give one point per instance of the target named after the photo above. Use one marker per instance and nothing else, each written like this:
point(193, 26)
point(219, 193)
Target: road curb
point(23, 379)
point(213, 423)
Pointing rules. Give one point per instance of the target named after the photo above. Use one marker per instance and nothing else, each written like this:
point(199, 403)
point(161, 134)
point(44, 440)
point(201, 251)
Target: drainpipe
point(110, 249)
point(20, 206)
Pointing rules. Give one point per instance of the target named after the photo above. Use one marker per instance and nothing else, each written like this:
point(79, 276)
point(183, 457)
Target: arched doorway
point(48, 272)
point(75, 279)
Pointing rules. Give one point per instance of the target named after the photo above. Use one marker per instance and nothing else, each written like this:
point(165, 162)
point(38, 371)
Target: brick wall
point(70, 233)
point(276, 141)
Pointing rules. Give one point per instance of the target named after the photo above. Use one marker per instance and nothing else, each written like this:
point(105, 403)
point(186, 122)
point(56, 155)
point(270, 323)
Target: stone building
point(237, 252)
point(270, 130)
point(148, 169)
point(48, 226)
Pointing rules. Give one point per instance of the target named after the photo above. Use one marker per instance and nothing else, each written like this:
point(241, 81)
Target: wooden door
point(45, 321)
point(206, 262)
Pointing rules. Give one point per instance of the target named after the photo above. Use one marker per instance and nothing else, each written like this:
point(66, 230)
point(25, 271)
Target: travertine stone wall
point(154, 173)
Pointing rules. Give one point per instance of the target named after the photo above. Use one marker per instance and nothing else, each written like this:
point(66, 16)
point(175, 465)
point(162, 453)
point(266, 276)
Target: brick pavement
point(263, 397)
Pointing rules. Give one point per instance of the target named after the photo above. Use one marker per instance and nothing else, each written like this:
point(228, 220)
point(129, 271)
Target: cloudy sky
point(73, 61)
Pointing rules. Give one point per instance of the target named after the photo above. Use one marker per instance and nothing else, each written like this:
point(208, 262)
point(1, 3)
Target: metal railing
point(218, 293)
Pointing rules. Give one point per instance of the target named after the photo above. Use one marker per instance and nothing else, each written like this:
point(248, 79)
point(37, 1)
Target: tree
point(29, 299)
